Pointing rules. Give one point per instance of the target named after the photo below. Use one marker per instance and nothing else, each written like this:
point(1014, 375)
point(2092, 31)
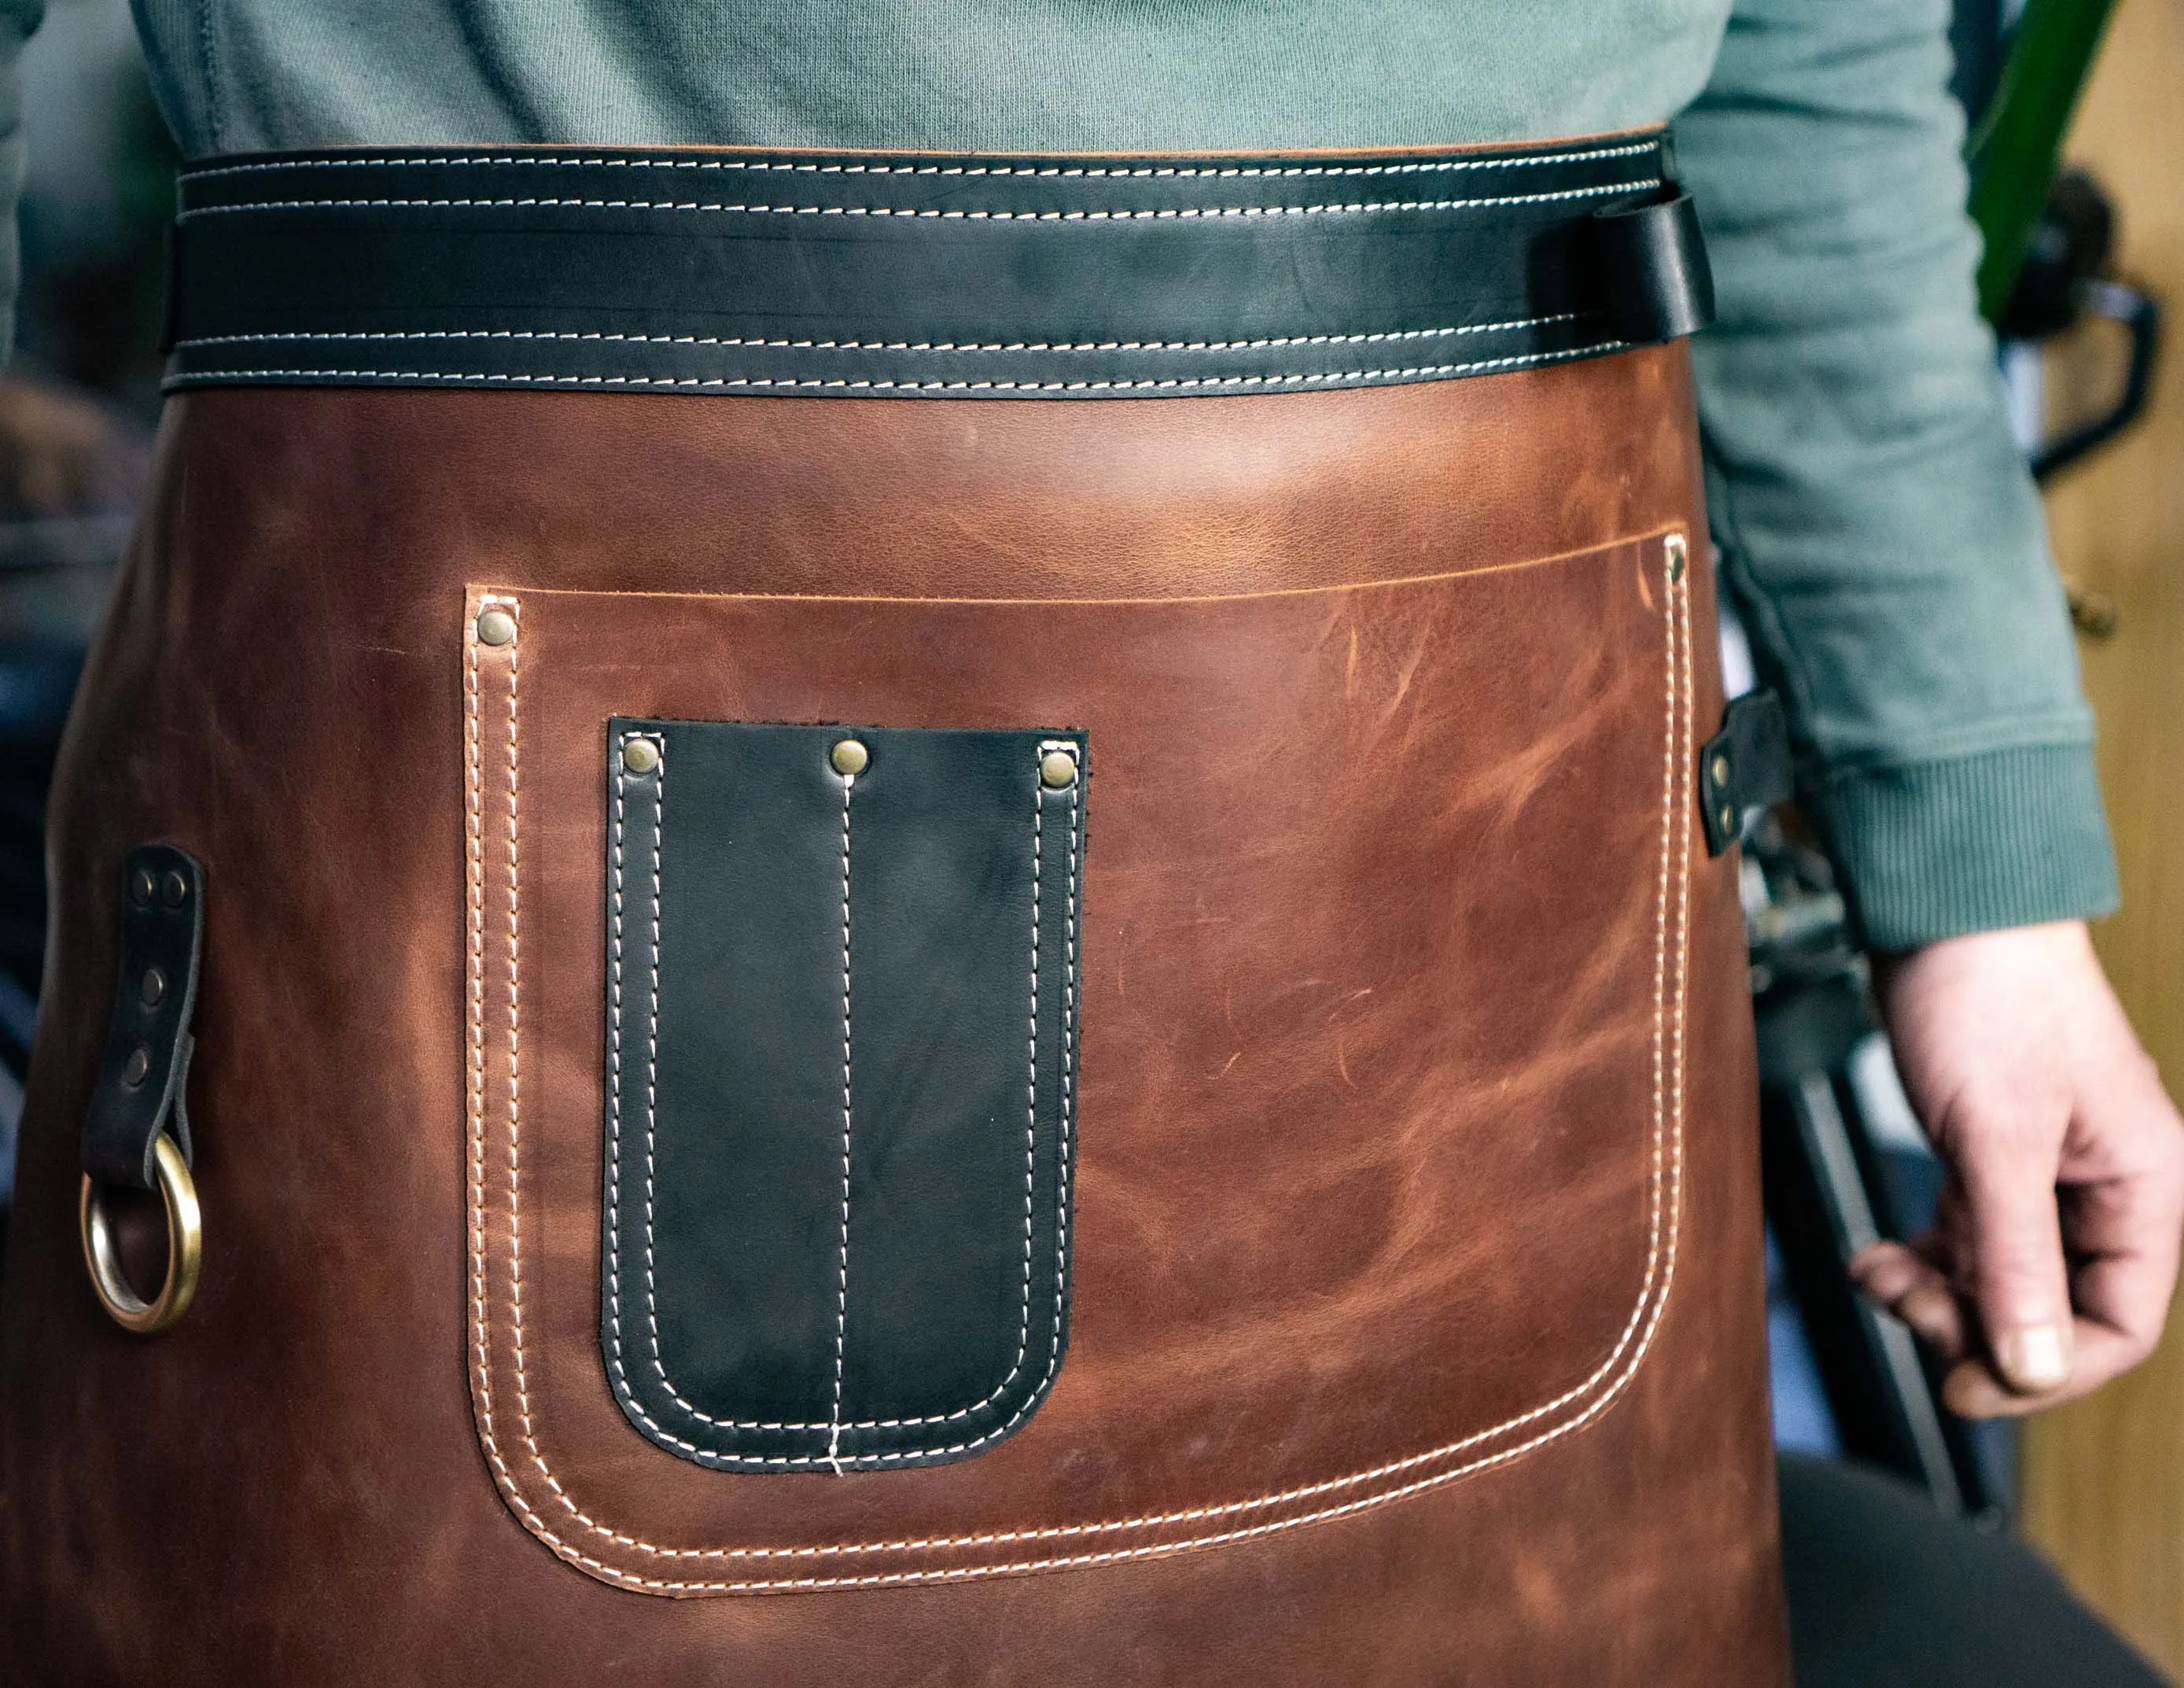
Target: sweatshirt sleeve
point(1879, 533)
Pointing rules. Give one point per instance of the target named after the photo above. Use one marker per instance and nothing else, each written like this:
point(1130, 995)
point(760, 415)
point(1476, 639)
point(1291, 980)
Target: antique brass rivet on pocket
point(1058, 771)
point(640, 755)
point(495, 627)
point(850, 758)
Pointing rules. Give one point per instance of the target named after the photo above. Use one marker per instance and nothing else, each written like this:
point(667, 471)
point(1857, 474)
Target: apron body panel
point(1414, 1311)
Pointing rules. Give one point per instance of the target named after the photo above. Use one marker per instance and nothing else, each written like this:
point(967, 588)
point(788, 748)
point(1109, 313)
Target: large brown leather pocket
point(1379, 1105)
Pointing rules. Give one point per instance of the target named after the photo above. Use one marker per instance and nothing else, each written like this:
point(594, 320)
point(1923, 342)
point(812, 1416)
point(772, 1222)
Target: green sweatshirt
point(1879, 532)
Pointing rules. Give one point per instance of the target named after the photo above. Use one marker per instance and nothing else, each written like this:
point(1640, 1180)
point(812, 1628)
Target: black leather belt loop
point(1661, 287)
point(143, 1075)
point(914, 274)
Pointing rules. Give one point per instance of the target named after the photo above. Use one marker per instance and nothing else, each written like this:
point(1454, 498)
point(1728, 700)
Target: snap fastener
point(640, 755)
point(495, 627)
point(140, 1064)
point(142, 887)
point(1057, 770)
point(850, 758)
point(153, 989)
point(174, 890)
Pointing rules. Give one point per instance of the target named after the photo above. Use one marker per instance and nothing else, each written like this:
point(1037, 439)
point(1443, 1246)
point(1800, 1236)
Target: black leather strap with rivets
point(841, 1055)
point(1745, 765)
point(139, 1093)
point(719, 270)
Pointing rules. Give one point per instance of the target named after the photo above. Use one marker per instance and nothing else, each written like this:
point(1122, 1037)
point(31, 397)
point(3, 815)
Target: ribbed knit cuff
point(2007, 838)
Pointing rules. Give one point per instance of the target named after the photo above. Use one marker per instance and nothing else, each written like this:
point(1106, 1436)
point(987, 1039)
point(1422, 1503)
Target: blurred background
point(77, 405)
point(2098, 1488)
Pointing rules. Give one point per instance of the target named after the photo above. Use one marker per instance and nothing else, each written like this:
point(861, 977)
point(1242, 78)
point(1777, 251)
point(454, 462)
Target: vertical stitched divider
point(842, 1280)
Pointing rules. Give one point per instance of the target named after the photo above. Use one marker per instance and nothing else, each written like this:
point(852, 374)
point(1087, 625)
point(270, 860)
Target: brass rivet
point(1057, 770)
point(1728, 819)
point(495, 627)
point(640, 755)
point(174, 890)
point(142, 887)
point(153, 989)
point(140, 1064)
point(850, 758)
point(1721, 770)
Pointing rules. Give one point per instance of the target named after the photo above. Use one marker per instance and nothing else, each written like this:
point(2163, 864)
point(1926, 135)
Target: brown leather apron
point(1378, 1099)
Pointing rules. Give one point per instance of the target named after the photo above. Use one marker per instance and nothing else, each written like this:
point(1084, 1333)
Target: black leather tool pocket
point(841, 1042)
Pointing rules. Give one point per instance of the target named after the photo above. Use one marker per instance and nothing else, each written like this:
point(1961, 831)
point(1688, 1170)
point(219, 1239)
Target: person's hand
point(2051, 1258)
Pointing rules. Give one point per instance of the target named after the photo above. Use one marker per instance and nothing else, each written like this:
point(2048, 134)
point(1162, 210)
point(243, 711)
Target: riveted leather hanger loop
point(135, 1131)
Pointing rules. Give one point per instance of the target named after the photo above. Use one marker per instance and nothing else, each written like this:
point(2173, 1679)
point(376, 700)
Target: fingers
point(1907, 1284)
point(1910, 1287)
point(2007, 1173)
point(1972, 1390)
point(2122, 1234)
point(2121, 1237)
point(2060, 1146)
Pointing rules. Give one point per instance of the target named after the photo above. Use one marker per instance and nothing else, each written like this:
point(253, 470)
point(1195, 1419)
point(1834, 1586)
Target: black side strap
point(1660, 285)
point(141, 1077)
point(1745, 766)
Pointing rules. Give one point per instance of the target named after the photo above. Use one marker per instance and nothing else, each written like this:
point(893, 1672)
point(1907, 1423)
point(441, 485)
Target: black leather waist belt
point(707, 270)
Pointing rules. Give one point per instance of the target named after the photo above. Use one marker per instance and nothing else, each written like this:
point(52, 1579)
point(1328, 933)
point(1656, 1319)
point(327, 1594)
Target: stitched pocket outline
point(840, 1055)
point(538, 824)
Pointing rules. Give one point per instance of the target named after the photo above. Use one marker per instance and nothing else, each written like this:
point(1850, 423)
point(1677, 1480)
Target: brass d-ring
point(178, 1192)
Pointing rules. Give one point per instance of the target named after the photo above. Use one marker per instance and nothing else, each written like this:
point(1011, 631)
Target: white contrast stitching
point(1386, 338)
point(1652, 1303)
point(1178, 384)
point(1590, 155)
point(1154, 212)
point(474, 853)
point(515, 1066)
point(613, 1074)
point(842, 1281)
point(1068, 1048)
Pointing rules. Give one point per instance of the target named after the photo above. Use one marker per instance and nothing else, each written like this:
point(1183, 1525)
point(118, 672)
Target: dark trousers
point(1884, 1591)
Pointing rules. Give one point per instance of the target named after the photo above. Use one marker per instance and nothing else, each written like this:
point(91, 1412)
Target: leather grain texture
point(715, 270)
point(1385, 687)
point(841, 1034)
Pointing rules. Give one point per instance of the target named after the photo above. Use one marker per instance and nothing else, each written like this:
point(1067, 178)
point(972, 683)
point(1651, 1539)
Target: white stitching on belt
point(1161, 212)
point(754, 383)
point(1651, 1302)
point(1045, 171)
point(1386, 338)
